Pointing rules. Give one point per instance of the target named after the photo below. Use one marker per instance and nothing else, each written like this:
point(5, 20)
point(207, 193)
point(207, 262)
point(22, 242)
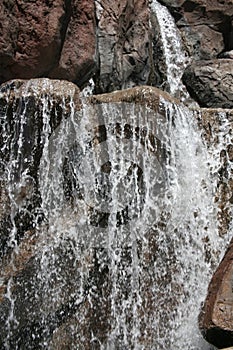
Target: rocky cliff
point(60, 48)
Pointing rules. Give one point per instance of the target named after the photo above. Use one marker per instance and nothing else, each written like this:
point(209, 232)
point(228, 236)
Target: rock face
point(217, 128)
point(116, 43)
point(50, 38)
point(216, 318)
point(77, 61)
point(30, 37)
point(119, 45)
point(124, 44)
point(19, 194)
point(206, 26)
point(76, 300)
point(210, 83)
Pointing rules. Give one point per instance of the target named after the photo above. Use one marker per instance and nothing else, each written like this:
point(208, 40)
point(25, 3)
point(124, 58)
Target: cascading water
point(174, 54)
point(120, 258)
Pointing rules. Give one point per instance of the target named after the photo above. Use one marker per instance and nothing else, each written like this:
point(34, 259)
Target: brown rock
point(210, 83)
point(77, 308)
point(77, 59)
point(216, 126)
point(30, 37)
point(19, 196)
point(216, 318)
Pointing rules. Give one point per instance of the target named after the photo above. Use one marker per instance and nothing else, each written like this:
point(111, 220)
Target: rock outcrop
point(210, 83)
point(116, 43)
point(215, 321)
point(50, 38)
point(206, 26)
point(31, 37)
point(49, 306)
point(124, 44)
point(119, 45)
point(78, 60)
point(216, 318)
point(20, 159)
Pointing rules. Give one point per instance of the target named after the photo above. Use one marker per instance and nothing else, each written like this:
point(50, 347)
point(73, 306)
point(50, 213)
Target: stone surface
point(216, 321)
point(206, 26)
point(216, 318)
point(20, 195)
point(210, 83)
point(30, 37)
point(77, 61)
point(123, 44)
point(51, 318)
point(216, 126)
point(49, 38)
point(110, 41)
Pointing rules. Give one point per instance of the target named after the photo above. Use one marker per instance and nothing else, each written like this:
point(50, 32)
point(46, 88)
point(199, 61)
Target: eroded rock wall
point(114, 42)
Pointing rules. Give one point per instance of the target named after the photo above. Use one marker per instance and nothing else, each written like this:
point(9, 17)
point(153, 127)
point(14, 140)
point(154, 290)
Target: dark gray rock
point(123, 44)
point(210, 83)
point(206, 26)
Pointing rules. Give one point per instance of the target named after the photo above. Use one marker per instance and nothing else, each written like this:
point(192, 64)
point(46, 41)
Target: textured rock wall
point(113, 42)
point(207, 26)
point(47, 38)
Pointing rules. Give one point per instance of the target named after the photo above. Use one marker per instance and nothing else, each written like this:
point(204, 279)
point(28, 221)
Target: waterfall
point(174, 55)
point(128, 235)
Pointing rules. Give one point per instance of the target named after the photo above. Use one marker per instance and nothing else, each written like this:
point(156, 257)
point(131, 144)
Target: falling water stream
point(175, 57)
point(128, 236)
point(123, 237)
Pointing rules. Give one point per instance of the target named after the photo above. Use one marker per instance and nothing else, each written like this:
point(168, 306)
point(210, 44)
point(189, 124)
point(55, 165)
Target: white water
point(129, 246)
point(146, 261)
point(174, 208)
point(175, 57)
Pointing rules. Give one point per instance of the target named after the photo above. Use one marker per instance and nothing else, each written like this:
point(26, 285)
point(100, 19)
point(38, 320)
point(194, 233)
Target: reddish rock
point(77, 60)
point(54, 38)
point(216, 318)
point(30, 37)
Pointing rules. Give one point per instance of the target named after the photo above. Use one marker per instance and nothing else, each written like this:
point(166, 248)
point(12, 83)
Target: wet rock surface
point(206, 26)
point(21, 143)
point(124, 44)
point(117, 44)
point(216, 318)
point(210, 82)
point(48, 320)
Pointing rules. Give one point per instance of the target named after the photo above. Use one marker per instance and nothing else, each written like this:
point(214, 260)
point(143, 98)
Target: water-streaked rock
point(210, 83)
point(216, 318)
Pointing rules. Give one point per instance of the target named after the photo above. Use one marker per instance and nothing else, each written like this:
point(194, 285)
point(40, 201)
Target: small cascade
point(174, 54)
point(123, 224)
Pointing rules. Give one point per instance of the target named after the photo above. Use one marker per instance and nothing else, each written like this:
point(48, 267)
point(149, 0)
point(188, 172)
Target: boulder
point(77, 61)
point(216, 318)
point(30, 37)
point(49, 38)
point(124, 44)
point(210, 83)
point(206, 26)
